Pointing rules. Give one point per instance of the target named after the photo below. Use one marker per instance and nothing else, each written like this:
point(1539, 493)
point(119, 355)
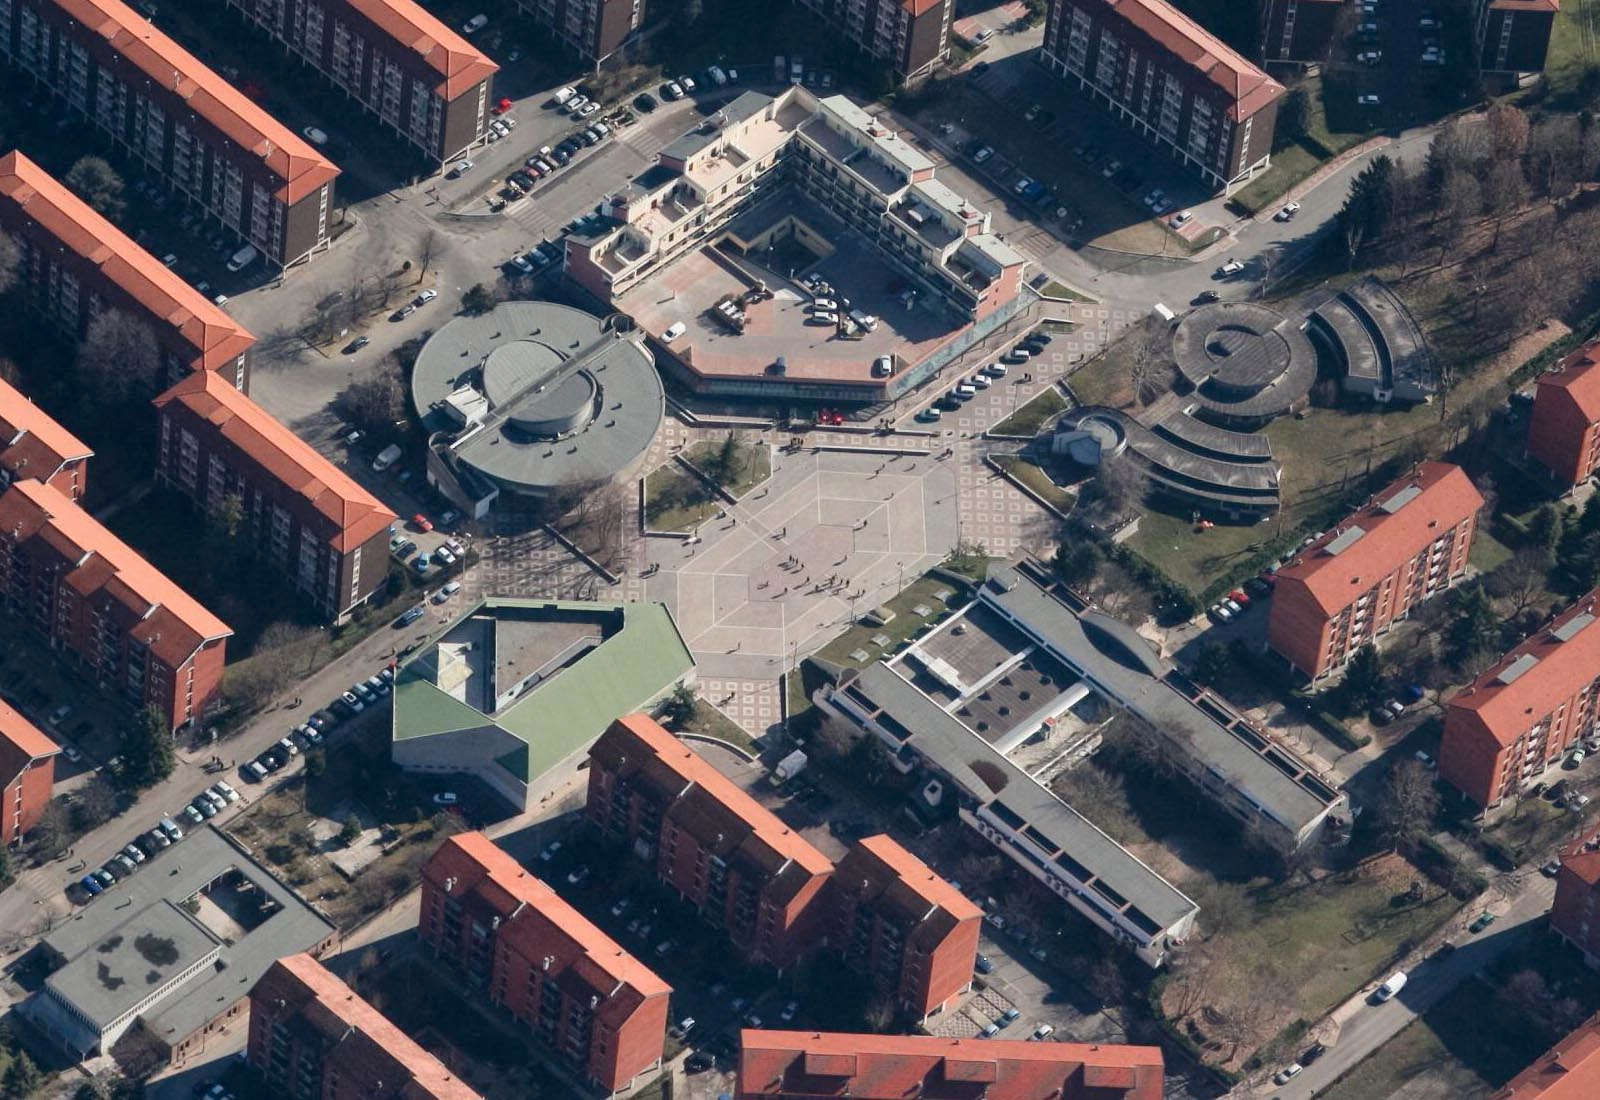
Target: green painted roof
point(567, 711)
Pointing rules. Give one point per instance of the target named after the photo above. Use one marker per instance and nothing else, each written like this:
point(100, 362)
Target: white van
point(242, 258)
point(1386, 991)
point(674, 330)
point(564, 94)
point(882, 367)
point(1164, 313)
point(387, 457)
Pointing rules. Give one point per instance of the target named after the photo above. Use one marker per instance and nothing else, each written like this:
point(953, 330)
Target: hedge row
point(1445, 869)
point(1581, 333)
point(1174, 602)
point(1337, 732)
point(1249, 567)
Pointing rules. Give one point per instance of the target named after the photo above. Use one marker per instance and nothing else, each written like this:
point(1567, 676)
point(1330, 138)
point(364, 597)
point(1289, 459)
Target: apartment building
point(193, 133)
point(1564, 428)
point(1299, 30)
point(592, 29)
point(1169, 80)
point(744, 870)
point(1525, 713)
point(833, 153)
point(1346, 589)
point(1570, 1070)
point(410, 71)
point(311, 1037)
point(910, 37)
point(503, 931)
point(124, 624)
point(1575, 913)
point(892, 918)
point(33, 445)
point(800, 1065)
point(27, 774)
point(308, 519)
point(1513, 36)
point(76, 265)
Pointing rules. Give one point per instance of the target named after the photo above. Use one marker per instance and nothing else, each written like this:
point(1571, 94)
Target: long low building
point(125, 624)
point(199, 138)
point(174, 949)
point(419, 78)
point(76, 266)
point(305, 517)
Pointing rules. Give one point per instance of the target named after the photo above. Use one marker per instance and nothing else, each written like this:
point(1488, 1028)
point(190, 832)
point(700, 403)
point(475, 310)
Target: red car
point(1239, 597)
point(421, 522)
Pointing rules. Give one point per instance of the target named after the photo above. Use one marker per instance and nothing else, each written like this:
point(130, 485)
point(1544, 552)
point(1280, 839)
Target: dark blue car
point(92, 886)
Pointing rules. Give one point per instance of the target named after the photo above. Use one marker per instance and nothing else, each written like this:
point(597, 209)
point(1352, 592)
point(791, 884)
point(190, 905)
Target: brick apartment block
point(911, 36)
point(1521, 716)
point(1513, 36)
point(1169, 80)
point(894, 919)
point(1575, 913)
point(311, 522)
point(84, 591)
point(504, 931)
point(1299, 30)
point(32, 445)
point(1349, 587)
point(1564, 429)
point(801, 1065)
point(591, 29)
point(1570, 1070)
point(197, 136)
point(76, 265)
point(420, 79)
point(743, 869)
point(312, 1037)
point(27, 773)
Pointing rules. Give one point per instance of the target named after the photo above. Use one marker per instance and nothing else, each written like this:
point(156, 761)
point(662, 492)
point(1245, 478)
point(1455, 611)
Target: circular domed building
point(532, 398)
point(1247, 363)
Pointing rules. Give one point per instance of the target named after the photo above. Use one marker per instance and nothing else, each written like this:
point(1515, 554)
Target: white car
point(1370, 57)
point(475, 24)
point(425, 297)
point(315, 136)
point(1290, 209)
point(1232, 267)
point(1178, 221)
point(979, 382)
point(446, 592)
point(1287, 1073)
point(1368, 100)
point(982, 155)
point(1022, 185)
point(461, 167)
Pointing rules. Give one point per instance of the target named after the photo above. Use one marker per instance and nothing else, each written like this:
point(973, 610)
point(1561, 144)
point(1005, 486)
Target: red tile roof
point(300, 167)
point(355, 514)
point(32, 444)
point(21, 743)
point(914, 876)
point(459, 63)
point(1577, 376)
point(892, 1067)
point(920, 7)
point(390, 1055)
point(216, 337)
point(1390, 535)
point(1551, 666)
point(169, 620)
point(541, 923)
point(766, 830)
point(1551, 6)
point(1570, 1070)
point(1248, 87)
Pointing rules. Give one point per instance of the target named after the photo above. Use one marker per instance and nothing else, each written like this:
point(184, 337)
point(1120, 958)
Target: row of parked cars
point(966, 389)
point(321, 724)
point(151, 843)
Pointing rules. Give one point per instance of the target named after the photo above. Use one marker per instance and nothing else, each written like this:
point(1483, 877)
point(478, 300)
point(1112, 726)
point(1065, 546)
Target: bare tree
point(1504, 191)
point(1150, 361)
point(1407, 804)
point(118, 359)
point(1508, 133)
point(375, 403)
point(1521, 579)
point(1194, 976)
point(1460, 199)
point(430, 246)
point(10, 262)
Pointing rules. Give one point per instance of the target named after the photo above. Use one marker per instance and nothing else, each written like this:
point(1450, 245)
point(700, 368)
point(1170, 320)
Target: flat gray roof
point(953, 748)
point(1121, 665)
point(569, 401)
point(146, 905)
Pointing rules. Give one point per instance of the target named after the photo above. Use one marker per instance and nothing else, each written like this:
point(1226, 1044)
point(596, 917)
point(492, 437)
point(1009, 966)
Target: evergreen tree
point(1363, 678)
point(149, 756)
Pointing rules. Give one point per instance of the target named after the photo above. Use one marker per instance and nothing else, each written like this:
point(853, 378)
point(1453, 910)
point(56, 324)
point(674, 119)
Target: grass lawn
point(1417, 1052)
point(676, 500)
point(1488, 553)
point(1028, 419)
point(924, 591)
point(1289, 166)
point(1534, 826)
point(1103, 380)
point(1037, 480)
point(1571, 57)
point(1053, 289)
point(756, 468)
point(713, 723)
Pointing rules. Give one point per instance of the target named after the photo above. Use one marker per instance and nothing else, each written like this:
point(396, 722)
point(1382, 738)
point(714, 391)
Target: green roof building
point(515, 686)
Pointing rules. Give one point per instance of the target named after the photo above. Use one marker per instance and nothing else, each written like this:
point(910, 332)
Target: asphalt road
point(1365, 1027)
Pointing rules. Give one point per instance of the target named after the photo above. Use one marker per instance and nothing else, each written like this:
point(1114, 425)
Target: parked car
point(982, 964)
point(1482, 921)
point(91, 886)
point(1287, 1073)
point(445, 798)
point(1287, 211)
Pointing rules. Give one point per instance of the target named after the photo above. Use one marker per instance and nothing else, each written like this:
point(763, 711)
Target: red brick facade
point(1514, 34)
point(908, 929)
point(742, 868)
point(84, 591)
point(508, 934)
point(801, 1065)
point(34, 445)
point(1523, 715)
point(76, 265)
point(27, 773)
point(308, 519)
point(1564, 430)
point(312, 1038)
point(1351, 585)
